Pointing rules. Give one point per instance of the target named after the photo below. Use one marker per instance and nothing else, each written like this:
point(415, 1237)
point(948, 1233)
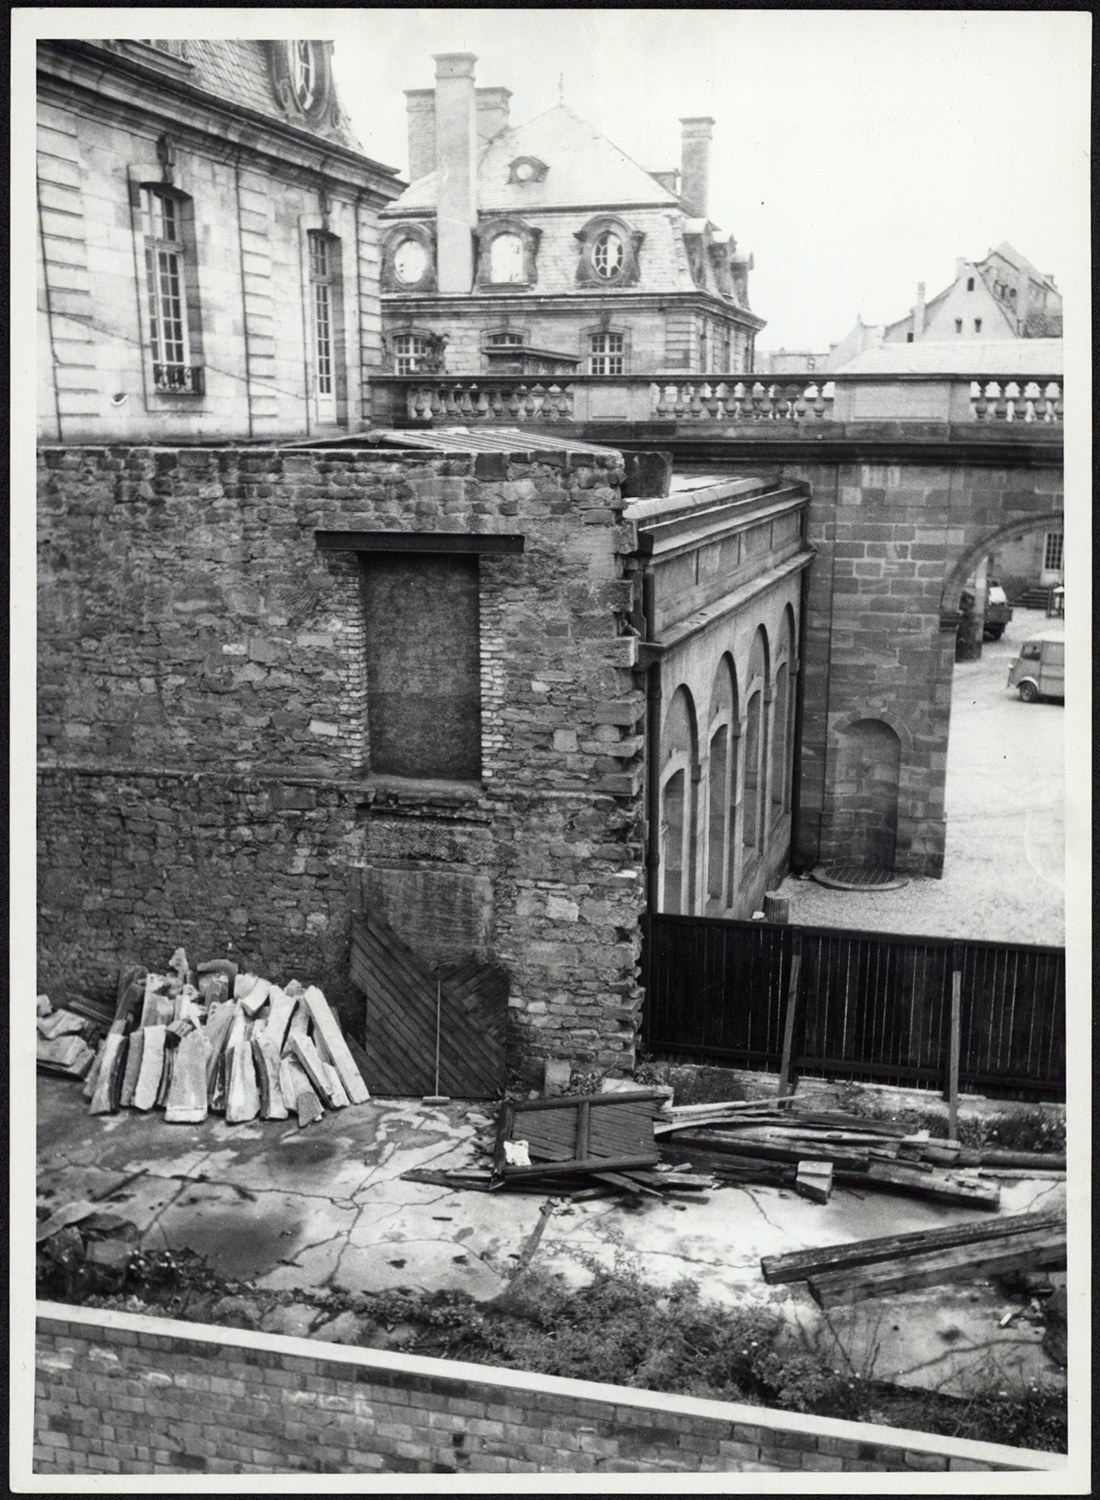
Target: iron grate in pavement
point(857, 877)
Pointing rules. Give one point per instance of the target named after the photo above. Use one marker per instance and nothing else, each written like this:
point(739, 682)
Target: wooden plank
point(792, 1007)
point(941, 1187)
point(856, 1165)
point(798, 1265)
point(326, 1026)
point(954, 1043)
point(186, 1101)
point(1021, 1252)
point(297, 1090)
point(242, 1092)
point(600, 1164)
point(265, 1056)
point(306, 1054)
point(280, 1009)
point(152, 1066)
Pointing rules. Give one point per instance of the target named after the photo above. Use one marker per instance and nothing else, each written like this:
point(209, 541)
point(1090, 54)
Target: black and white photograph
point(550, 799)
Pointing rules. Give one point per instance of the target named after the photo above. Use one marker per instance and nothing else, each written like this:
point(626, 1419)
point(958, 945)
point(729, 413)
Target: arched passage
point(995, 545)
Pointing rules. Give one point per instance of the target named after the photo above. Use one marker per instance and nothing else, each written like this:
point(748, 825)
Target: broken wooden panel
point(583, 1132)
point(401, 997)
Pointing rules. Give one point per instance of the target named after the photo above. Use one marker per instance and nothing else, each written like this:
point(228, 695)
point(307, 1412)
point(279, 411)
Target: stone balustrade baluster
point(1000, 404)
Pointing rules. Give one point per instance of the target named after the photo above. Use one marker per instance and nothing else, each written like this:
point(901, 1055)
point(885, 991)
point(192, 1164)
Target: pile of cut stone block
point(214, 1039)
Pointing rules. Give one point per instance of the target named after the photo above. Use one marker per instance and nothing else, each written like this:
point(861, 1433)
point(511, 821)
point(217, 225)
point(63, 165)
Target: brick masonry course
point(204, 750)
point(362, 1411)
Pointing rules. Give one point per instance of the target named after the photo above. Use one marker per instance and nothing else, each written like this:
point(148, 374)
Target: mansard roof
point(584, 169)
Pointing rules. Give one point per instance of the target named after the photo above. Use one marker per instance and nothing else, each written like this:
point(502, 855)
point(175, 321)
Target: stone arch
point(679, 766)
point(973, 555)
point(720, 785)
point(866, 788)
point(876, 711)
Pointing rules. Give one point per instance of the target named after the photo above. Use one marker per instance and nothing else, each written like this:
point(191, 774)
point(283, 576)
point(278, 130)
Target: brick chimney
point(421, 115)
point(918, 311)
point(695, 163)
point(492, 113)
point(456, 166)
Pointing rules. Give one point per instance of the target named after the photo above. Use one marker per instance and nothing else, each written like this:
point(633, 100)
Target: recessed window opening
point(958, 325)
point(970, 283)
point(1052, 551)
point(321, 272)
point(977, 325)
point(606, 352)
point(408, 350)
point(506, 258)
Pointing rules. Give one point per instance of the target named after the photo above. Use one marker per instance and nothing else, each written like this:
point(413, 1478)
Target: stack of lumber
point(770, 1142)
point(189, 1042)
point(62, 1043)
point(905, 1262)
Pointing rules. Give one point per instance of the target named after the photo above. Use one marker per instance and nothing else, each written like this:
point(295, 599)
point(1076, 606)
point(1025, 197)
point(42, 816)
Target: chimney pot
point(695, 162)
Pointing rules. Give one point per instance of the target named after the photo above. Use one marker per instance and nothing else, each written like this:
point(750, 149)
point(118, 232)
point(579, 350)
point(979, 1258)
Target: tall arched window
point(721, 771)
point(783, 728)
point(755, 758)
point(678, 754)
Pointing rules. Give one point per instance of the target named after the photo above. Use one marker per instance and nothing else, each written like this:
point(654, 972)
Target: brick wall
point(204, 745)
point(124, 1394)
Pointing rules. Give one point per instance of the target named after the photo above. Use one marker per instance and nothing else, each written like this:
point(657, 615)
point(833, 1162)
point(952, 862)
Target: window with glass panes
point(321, 272)
point(163, 230)
point(1052, 551)
point(408, 350)
point(605, 353)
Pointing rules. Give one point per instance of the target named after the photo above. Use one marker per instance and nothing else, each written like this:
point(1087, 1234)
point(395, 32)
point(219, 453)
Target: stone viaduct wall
point(898, 517)
point(204, 757)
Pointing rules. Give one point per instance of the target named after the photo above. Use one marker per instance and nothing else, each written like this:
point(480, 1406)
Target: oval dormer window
point(410, 261)
point(506, 258)
point(607, 254)
point(305, 74)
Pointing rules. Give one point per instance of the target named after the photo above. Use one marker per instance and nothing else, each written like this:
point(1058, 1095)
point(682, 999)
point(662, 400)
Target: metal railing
point(179, 380)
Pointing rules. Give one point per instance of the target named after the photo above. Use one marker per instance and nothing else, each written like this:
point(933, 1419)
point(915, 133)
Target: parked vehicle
point(998, 612)
point(1040, 669)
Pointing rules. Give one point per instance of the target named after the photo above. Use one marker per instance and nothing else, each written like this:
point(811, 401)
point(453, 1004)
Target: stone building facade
point(208, 243)
point(1001, 296)
point(543, 249)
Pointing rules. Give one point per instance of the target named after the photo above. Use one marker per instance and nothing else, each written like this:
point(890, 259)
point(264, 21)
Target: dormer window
point(507, 251)
point(408, 259)
point(608, 253)
point(527, 169)
point(506, 258)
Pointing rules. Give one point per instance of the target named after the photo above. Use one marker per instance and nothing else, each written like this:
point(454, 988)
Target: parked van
point(1040, 669)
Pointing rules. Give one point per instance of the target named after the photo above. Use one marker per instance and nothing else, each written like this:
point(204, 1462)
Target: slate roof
point(1021, 262)
point(237, 73)
point(584, 169)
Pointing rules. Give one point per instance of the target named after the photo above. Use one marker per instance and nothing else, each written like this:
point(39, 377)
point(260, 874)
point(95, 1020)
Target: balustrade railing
point(802, 401)
point(1017, 400)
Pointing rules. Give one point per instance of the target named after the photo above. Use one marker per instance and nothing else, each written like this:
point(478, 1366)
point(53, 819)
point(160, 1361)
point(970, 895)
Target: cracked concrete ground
point(325, 1207)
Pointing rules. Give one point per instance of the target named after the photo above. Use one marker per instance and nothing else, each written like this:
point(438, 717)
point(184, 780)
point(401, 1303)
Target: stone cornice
point(118, 87)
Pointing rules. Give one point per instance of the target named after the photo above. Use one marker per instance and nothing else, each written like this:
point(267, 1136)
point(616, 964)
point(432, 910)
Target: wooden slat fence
point(870, 1006)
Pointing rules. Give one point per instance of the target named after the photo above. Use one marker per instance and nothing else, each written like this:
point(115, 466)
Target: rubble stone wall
point(204, 745)
point(124, 1394)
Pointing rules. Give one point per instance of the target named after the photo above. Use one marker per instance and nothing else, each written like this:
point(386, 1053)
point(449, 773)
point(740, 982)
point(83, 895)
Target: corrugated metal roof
point(488, 440)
